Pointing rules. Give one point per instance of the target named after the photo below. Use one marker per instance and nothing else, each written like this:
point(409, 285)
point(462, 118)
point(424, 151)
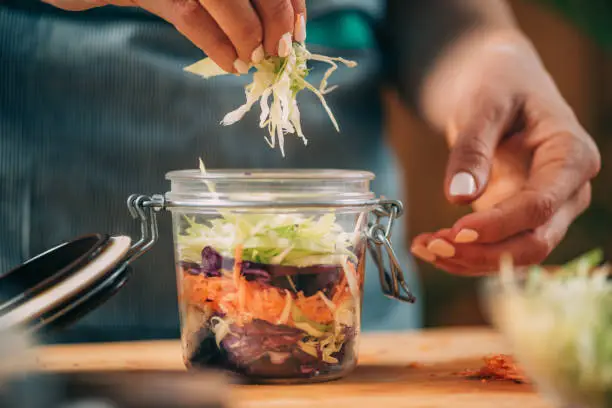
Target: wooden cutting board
point(416, 369)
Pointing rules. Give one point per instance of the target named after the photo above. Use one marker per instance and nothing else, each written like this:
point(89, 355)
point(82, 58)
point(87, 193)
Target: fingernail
point(300, 29)
point(241, 66)
point(466, 236)
point(284, 45)
point(462, 184)
point(421, 252)
point(441, 248)
point(258, 55)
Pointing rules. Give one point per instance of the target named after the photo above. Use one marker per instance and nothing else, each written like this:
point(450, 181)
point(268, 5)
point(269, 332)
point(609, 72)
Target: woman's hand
point(518, 155)
point(234, 33)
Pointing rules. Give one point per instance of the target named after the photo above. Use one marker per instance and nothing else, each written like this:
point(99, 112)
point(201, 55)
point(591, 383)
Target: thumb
point(471, 154)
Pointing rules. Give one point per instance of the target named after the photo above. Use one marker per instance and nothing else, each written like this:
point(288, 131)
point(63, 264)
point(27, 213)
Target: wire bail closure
point(145, 209)
point(378, 236)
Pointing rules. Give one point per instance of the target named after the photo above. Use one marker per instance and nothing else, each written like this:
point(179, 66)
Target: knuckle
point(540, 209)
point(582, 151)
point(279, 9)
point(276, 11)
point(218, 47)
point(493, 112)
point(471, 151)
point(249, 32)
point(490, 109)
point(594, 160)
point(185, 10)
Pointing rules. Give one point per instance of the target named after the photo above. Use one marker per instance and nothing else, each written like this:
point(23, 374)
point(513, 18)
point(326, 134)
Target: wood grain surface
point(416, 369)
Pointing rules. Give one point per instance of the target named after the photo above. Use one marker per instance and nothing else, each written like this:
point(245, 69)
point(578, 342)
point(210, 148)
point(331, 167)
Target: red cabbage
point(312, 278)
point(211, 261)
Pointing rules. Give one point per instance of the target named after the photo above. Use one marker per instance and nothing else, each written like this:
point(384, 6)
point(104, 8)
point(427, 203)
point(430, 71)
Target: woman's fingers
point(242, 25)
point(526, 248)
point(560, 166)
point(427, 246)
point(422, 249)
point(299, 10)
point(419, 248)
point(278, 20)
point(234, 33)
point(476, 133)
point(195, 23)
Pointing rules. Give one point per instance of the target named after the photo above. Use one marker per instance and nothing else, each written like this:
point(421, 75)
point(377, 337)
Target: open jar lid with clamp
point(269, 263)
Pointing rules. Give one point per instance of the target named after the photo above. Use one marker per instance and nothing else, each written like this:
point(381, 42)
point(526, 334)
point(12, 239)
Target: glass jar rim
point(270, 174)
point(286, 188)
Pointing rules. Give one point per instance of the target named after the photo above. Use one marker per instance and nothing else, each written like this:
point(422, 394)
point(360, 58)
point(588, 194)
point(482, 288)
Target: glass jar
point(270, 268)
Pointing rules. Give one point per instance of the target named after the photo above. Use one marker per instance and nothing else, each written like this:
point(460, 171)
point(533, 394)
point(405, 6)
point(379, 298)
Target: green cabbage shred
point(279, 79)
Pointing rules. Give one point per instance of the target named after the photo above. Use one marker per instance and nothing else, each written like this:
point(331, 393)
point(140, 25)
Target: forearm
point(428, 38)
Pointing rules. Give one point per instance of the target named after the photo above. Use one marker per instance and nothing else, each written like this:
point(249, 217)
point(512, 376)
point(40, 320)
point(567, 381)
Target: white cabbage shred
point(276, 83)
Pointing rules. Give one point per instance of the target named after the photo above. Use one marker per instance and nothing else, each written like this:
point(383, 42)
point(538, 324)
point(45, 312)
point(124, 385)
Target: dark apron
point(95, 106)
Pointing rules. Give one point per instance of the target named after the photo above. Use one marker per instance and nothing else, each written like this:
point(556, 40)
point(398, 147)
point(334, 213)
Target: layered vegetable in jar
point(271, 296)
point(270, 270)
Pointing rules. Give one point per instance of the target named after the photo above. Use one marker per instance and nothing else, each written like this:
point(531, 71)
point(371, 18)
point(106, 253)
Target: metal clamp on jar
point(270, 269)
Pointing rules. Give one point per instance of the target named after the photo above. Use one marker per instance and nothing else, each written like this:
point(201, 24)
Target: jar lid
point(62, 284)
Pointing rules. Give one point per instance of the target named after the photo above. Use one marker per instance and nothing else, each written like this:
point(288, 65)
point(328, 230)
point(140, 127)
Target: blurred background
point(574, 38)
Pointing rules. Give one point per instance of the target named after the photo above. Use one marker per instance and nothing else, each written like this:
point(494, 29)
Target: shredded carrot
point(245, 300)
point(341, 287)
point(237, 264)
point(256, 303)
point(314, 308)
point(340, 292)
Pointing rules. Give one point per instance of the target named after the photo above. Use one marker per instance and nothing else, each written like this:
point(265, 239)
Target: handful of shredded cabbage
point(276, 83)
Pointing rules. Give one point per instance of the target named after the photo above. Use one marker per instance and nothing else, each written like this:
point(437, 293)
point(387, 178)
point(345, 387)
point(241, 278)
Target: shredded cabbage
point(281, 239)
point(560, 324)
point(328, 339)
point(278, 79)
point(221, 328)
